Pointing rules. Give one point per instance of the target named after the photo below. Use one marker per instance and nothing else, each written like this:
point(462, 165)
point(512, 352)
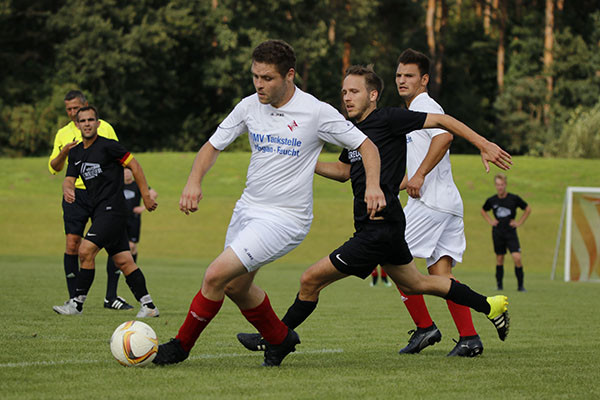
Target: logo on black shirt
point(90, 170)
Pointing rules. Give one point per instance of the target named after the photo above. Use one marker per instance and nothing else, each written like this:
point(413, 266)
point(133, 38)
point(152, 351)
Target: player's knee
point(309, 284)
point(73, 242)
point(214, 279)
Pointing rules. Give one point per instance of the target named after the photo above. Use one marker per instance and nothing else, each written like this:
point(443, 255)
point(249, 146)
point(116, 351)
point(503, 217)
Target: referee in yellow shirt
point(77, 214)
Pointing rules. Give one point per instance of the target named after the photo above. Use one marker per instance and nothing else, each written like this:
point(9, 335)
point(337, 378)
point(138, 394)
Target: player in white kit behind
point(434, 210)
point(287, 129)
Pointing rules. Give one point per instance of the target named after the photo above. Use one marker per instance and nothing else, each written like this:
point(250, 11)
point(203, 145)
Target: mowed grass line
point(349, 345)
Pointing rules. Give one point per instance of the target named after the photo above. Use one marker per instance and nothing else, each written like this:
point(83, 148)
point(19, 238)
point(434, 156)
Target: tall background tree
point(165, 72)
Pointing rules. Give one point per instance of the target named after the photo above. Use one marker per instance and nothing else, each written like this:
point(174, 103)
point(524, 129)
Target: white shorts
point(432, 234)
point(259, 236)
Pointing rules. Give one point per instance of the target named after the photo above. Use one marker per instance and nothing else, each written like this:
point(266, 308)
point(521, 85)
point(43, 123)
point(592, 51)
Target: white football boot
point(147, 312)
point(69, 308)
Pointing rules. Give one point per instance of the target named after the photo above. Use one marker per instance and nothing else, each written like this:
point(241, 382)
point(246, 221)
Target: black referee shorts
point(77, 214)
point(372, 245)
point(506, 240)
point(109, 231)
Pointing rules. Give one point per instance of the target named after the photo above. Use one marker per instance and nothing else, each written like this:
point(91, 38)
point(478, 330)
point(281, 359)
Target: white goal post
point(580, 218)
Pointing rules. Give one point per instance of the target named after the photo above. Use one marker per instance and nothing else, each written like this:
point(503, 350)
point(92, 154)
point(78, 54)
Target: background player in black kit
point(99, 162)
point(133, 197)
point(379, 239)
point(504, 228)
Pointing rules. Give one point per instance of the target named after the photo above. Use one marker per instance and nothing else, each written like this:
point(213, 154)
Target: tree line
point(164, 73)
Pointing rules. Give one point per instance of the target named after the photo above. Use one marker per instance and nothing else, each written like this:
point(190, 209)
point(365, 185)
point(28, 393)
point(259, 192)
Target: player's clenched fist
point(191, 195)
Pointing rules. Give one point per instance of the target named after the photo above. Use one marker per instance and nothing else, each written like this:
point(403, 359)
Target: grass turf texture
point(349, 345)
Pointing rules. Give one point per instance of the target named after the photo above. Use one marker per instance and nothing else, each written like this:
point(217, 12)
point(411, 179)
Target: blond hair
point(501, 176)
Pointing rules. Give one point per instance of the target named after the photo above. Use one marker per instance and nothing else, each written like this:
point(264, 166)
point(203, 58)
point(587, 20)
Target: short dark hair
point(86, 108)
point(75, 94)
point(275, 52)
point(372, 80)
point(410, 56)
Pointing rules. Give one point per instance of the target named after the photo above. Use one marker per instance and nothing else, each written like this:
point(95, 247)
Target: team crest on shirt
point(354, 156)
point(90, 170)
point(293, 125)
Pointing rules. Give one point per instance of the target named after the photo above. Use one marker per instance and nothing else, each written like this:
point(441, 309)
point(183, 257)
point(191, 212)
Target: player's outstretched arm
point(490, 152)
point(437, 149)
point(140, 180)
point(192, 192)
point(68, 187)
point(374, 196)
point(337, 171)
point(58, 161)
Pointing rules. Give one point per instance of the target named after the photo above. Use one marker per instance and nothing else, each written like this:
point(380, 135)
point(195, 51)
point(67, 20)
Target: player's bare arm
point(337, 171)
point(140, 180)
point(489, 151)
point(516, 224)
point(58, 162)
point(192, 192)
point(374, 197)
point(437, 149)
point(404, 182)
point(68, 187)
point(486, 216)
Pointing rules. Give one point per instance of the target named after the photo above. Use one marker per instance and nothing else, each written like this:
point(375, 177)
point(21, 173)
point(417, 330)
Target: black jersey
point(133, 197)
point(101, 168)
point(504, 209)
point(387, 128)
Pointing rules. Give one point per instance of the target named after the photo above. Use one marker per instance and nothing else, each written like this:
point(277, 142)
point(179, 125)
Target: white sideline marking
point(199, 357)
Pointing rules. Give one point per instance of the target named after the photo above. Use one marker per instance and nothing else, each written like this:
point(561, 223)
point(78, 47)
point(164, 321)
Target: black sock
point(112, 279)
point(464, 295)
point(499, 275)
point(298, 312)
point(137, 283)
point(519, 274)
point(71, 264)
point(134, 257)
point(85, 278)
point(384, 279)
point(374, 279)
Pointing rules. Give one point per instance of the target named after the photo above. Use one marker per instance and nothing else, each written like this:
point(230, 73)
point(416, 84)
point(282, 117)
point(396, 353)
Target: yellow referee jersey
point(69, 133)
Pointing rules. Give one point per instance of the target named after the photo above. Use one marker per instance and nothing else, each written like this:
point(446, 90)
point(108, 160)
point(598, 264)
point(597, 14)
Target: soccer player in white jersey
point(434, 210)
point(287, 129)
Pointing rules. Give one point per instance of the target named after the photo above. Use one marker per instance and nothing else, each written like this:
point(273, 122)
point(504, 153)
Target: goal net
point(581, 222)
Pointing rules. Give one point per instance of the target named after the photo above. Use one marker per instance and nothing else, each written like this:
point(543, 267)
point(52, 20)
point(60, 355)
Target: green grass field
point(349, 345)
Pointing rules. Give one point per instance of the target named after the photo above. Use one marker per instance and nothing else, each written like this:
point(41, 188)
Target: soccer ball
point(134, 344)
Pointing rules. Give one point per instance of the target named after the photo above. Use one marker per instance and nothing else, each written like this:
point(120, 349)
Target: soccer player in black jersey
point(133, 197)
point(380, 239)
point(504, 228)
point(99, 162)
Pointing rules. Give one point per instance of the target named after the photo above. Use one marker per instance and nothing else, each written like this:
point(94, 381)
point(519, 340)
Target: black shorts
point(372, 245)
point(77, 214)
point(134, 223)
point(109, 231)
point(506, 240)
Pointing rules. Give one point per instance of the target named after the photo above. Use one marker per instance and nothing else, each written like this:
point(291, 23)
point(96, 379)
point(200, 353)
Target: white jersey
point(285, 143)
point(438, 191)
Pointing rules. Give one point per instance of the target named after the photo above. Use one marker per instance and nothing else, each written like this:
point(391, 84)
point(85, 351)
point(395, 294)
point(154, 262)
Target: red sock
point(383, 274)
point(417, 309)
point(266, 322)
point(202, 311)
point(374, 273)
point(462, 318)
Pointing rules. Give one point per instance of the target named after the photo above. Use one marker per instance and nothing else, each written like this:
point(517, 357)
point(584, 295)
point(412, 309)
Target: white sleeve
point(334, 128)
point(430, 107)
point(231, 128)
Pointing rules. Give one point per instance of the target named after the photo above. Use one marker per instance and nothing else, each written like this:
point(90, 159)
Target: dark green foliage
point(164, 73)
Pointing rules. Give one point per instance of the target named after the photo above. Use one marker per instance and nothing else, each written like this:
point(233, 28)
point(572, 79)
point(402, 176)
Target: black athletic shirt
point(133, 197)
point(101, 168)
point(387, 128)
point(504, 209)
